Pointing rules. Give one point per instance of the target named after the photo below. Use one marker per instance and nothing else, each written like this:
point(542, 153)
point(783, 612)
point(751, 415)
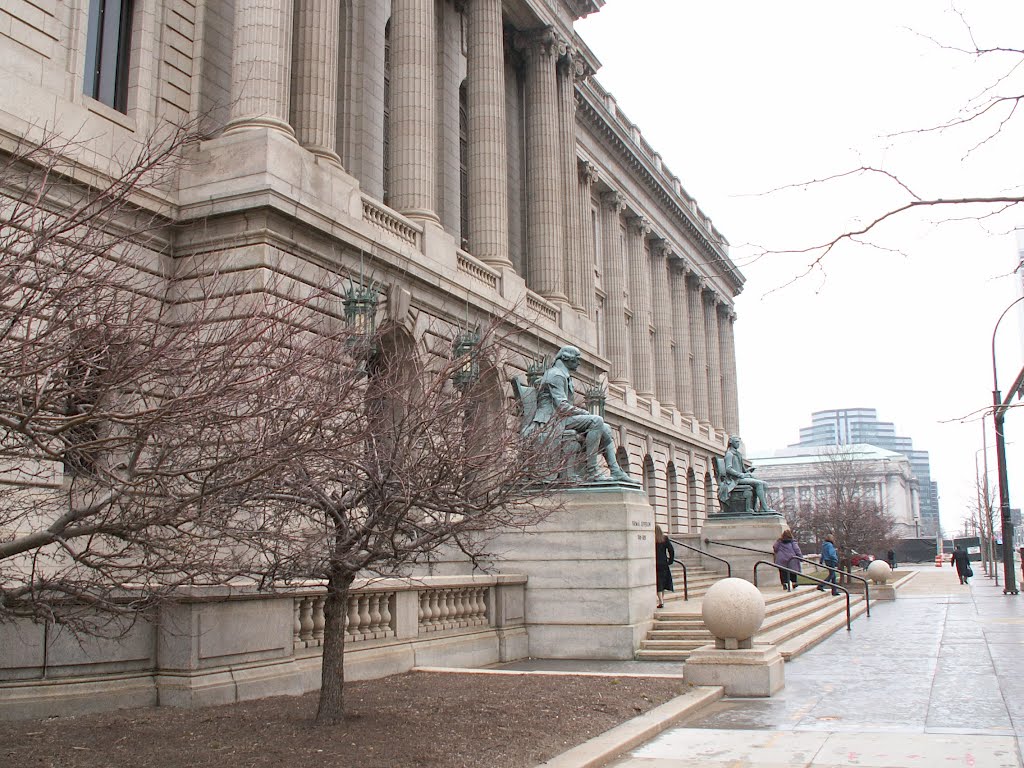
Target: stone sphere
point(733, 609)
point(879, 571)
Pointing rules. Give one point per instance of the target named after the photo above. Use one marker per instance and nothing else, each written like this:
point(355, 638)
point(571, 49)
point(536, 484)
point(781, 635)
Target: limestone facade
point(459, 151)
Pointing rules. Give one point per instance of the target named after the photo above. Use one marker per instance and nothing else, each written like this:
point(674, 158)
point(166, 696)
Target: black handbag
point(969, 572)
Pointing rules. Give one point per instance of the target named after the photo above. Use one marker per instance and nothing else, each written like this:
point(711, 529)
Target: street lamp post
point(999, 408)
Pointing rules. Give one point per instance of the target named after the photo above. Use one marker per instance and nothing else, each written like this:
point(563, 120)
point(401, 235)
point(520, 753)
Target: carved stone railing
point(477, 270)
point(456, 608)
point(542, 307)
point(388, 221)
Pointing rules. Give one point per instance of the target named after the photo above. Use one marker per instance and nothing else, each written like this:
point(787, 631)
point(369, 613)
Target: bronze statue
point(555, 399)
point(734, 473)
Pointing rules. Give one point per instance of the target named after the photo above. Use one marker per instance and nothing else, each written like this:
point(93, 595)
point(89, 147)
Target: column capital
point(543, 41)
point(662, 249)
point(587, 171)
point(613, 201)
point(696, 281)
point(711, 296)
point(639, 224)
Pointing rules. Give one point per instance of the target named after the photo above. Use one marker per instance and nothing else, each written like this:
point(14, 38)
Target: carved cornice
point(624, 147)
point(581, 8)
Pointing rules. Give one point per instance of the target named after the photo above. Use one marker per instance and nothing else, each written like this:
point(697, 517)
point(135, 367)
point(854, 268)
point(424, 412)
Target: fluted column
point(260, 79)
point(612, 206)
point(315, 77)
point(545, 202)
point(413, 106)
point(639, 302)
point(664, 365)
point(732, 410)
point(487, 151)
point(573, 229)
point(587, 177)
point(714, 359)
point(682, 351)
point(700, 351)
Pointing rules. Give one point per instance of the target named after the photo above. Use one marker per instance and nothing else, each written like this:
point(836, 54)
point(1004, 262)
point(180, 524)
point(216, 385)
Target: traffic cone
point(938, 561)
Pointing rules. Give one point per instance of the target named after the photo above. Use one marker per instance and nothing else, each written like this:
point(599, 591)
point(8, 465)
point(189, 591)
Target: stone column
point(315, 77)
point(731, 390)
point(664, 364)
point(573, 230)
point(700, 350)
point(639, 301)
point(612, 206)
point(545, 212)
point(587, 177)
point(260, 78)
point(487, 151)
point(681, 331)
point(413, 106)
point(714, 359)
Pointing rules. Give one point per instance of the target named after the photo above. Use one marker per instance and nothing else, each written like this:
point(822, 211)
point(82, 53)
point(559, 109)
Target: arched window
point(692, 523)
point(651, 485)
point(622, 456)
point(709, 495)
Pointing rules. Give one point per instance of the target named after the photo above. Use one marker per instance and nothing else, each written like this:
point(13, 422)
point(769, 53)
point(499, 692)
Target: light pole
point(999, 408)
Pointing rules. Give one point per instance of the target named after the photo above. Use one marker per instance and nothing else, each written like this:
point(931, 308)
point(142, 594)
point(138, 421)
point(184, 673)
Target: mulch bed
point(435, 719)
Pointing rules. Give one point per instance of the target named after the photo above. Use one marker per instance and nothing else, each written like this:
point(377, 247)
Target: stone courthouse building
point(460, 152)
point(463, 151)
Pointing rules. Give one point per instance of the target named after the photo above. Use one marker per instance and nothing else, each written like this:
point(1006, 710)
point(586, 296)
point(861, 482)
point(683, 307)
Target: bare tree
point(158, 429)
point(843, 506)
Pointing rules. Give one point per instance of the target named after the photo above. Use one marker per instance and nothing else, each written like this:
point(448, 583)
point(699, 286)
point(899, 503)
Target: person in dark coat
point(664, 556)
point(962, 562)
point(786, 551)
point(830, 559)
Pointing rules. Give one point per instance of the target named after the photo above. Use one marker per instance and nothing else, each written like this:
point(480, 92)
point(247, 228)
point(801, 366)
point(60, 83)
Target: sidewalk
point(932, 679)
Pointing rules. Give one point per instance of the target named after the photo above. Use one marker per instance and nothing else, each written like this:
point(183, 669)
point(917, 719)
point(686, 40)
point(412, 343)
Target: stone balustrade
point(218, 644)
point(386, 220)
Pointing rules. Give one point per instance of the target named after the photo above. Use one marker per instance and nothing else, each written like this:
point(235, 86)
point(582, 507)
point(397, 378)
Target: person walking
point(830, 559)
point(786, 551)
point(962, 562)
point(664, 556)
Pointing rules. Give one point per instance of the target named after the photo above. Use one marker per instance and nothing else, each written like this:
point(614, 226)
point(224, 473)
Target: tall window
point(387, 113)
point(107, 52)
point(464, 165)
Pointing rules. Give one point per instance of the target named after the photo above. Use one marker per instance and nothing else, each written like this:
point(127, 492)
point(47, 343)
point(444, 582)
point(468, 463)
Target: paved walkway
point(930, 680)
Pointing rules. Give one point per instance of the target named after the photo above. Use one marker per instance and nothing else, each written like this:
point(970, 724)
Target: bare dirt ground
point(435, 719)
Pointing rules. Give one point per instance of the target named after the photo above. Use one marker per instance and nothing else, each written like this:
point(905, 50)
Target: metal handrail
point(820, 581)
point(867, 588)
point(736, 546)
point(728, 568)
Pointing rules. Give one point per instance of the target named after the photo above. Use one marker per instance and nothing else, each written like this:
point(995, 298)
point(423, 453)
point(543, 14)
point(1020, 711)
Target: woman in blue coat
point(830, 559)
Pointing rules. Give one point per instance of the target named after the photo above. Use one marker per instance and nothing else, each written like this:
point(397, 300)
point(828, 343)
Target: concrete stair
point(698, 581)
point(794, 622)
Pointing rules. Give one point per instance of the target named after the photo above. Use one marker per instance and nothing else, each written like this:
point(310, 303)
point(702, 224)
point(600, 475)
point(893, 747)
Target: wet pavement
point(931, 679)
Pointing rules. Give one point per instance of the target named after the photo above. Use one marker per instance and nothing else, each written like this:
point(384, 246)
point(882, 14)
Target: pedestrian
point(962, 562)
point(891, 558)
point(664, 556)
point(830, 559)
point(1021, 553)
point(786, 553)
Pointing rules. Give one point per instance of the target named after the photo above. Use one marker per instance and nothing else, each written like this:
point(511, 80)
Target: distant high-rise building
point(848, 426)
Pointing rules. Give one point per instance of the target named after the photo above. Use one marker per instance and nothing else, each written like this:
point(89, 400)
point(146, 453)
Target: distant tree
point(842, 506)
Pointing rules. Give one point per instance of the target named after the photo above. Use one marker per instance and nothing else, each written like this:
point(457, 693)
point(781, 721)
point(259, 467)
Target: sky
point(745, 99)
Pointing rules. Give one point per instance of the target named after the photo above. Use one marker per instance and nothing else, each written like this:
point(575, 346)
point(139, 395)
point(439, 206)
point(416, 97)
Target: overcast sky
point(741, 97)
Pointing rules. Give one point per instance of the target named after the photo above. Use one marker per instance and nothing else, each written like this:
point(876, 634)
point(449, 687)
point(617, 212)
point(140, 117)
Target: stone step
point(794, 622)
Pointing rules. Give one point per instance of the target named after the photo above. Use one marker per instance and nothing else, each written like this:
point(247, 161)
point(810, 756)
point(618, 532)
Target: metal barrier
point(728, 568)
point(783, 568)
point(867, 589)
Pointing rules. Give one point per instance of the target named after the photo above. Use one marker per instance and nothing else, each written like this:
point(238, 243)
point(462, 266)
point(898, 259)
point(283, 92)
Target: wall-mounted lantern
point(464, 353)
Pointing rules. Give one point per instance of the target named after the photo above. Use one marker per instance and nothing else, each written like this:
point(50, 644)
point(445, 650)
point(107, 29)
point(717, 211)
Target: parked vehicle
point(862, 561)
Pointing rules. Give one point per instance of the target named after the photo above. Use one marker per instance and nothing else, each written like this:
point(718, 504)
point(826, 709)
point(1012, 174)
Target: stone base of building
point(590, 590)
point(722, 534)
point(754, 672)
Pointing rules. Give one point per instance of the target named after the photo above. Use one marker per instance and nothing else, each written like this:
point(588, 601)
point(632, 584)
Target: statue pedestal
point(590, 591)
point(758, 532)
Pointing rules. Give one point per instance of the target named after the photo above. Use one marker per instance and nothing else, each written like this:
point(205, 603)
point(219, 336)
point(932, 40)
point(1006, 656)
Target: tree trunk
point(332, 677)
